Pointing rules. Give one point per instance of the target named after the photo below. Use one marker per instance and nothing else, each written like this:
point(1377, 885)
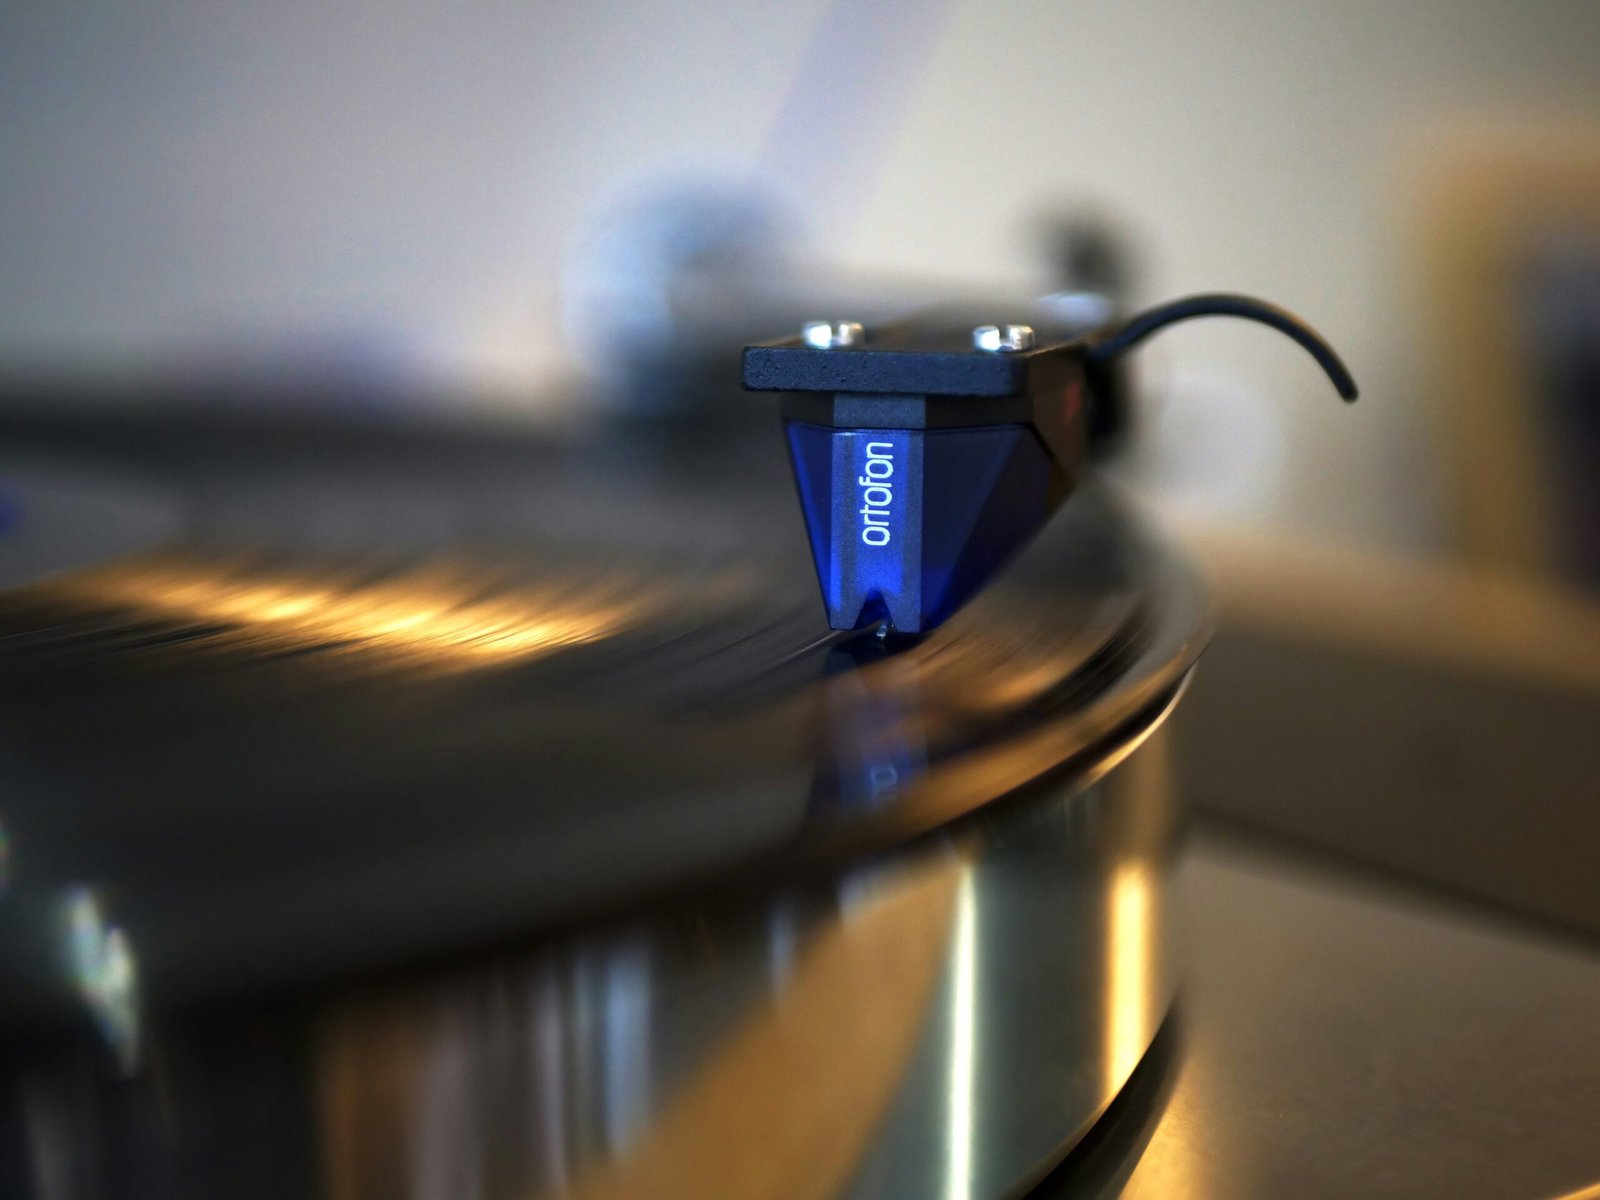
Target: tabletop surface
point(1339, 1037)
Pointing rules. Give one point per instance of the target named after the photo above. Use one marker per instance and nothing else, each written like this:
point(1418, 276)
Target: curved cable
point(1224, 304)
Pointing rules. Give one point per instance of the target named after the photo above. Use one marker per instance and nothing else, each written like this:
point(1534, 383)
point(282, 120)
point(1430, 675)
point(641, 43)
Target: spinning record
point(293, 710)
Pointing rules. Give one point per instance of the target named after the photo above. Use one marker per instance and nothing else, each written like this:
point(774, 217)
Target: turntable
point(399, 809)
point(365, 782)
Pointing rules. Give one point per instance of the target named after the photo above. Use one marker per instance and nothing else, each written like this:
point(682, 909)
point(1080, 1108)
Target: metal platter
point(545, 743)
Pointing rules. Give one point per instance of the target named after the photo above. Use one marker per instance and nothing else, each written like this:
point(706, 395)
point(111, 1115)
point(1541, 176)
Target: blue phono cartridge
point(926, 455)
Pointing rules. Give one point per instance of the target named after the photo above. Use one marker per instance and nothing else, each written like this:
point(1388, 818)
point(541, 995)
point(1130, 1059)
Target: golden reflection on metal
point(1131, 952)
point(1134, 933)
point(795, 1095)
point(369, 1065)
point(444, 614)
point(784, 1107)
point(963, 1044)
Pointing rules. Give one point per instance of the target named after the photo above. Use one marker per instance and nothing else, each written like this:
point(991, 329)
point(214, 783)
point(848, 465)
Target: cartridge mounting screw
point(833, 335)
point(1000, 339)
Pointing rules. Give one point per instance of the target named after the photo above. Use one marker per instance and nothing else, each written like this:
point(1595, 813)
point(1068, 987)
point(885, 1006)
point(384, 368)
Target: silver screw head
point(833, 335)
point(1002, 339)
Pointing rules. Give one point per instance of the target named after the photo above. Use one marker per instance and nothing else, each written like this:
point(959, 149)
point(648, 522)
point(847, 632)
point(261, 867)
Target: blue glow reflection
point(101, 962)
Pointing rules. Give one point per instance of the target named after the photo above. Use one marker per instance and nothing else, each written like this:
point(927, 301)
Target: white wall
point(170, 171)
point(1258, 146)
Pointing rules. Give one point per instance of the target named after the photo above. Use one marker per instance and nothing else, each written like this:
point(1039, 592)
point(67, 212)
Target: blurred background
point(508, 212)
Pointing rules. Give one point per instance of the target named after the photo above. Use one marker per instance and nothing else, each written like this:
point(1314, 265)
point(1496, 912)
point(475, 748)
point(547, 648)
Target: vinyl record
point(315, 698)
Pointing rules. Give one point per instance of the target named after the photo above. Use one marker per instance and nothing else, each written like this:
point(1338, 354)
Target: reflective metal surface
point(498, 818)
point(336, 866)
point(944, 1022)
